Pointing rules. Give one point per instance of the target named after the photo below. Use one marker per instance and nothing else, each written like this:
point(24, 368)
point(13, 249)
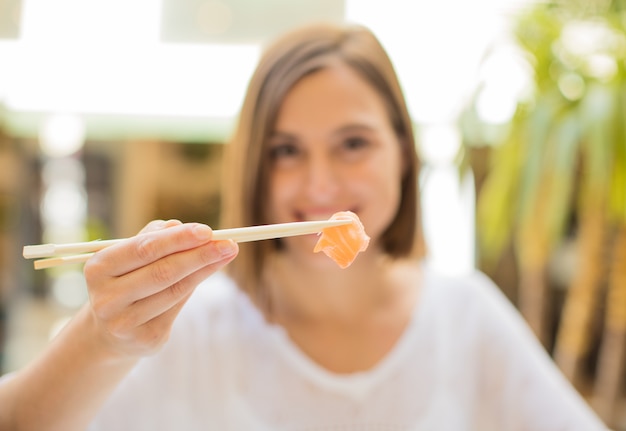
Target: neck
point(308, 295)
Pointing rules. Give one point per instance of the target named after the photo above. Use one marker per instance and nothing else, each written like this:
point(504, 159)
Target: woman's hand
point(138, 287)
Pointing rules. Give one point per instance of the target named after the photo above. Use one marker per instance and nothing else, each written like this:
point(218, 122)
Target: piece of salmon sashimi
point(343, 243)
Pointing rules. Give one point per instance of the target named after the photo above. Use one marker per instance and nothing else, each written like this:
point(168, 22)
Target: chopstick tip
point(41, 250)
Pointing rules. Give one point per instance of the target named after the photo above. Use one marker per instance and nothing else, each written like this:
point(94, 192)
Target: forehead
point(331, 97)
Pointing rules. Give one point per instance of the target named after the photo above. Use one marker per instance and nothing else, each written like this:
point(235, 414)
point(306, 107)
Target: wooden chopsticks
point(62, 254)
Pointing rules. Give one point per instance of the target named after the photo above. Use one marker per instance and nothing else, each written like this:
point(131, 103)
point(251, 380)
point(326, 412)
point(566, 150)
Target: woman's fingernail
point(226, 248)
point(171, 223)
point(158, 224)
point(202, 231)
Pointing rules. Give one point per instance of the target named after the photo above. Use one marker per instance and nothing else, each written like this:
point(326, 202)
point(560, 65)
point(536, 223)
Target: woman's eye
point(354, 148)
point(355, 143)
point(282, 151)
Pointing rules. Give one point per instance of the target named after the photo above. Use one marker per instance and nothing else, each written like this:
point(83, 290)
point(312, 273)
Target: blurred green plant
point(562, 157)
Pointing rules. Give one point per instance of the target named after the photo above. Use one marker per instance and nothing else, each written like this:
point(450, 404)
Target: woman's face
point(333, 149)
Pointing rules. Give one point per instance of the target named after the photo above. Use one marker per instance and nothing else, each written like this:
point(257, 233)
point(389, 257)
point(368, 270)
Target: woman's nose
point(322, 179)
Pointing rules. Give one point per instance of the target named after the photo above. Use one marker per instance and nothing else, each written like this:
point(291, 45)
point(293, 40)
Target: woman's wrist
point(97, 343)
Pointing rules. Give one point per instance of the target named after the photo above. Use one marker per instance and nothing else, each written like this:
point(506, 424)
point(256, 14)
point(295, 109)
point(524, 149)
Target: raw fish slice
point(343, 243)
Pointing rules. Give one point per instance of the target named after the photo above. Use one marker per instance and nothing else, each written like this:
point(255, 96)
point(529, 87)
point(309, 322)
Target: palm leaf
point(496, 204)
point(617, 197)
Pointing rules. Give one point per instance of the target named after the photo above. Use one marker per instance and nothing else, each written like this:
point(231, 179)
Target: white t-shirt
point(467, 361)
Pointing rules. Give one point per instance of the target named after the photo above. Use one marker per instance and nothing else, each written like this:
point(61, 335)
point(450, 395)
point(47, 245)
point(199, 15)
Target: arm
point(136, 290)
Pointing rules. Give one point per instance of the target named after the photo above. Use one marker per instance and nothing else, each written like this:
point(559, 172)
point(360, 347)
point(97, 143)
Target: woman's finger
point(141, 250)
point(155, 225)
point(172, 269)
point(149, 337)
point(150, 307)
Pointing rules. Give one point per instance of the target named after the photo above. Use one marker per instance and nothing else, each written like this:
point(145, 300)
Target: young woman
point(283, 339)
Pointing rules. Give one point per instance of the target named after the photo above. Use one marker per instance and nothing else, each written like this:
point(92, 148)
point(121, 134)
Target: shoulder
point(472, 279)
point(469, 289)
point(472, 303)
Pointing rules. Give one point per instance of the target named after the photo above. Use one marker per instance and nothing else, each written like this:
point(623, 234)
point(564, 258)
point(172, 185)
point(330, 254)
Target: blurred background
point(114, 112)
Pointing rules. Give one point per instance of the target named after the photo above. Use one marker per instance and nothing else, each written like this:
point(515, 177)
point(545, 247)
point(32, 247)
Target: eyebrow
point(352, 127)
point(280, 134)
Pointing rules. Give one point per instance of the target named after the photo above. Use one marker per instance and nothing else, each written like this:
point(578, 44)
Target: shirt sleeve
point(521, 383)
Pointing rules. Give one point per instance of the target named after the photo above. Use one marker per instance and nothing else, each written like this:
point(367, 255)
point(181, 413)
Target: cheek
point(382, 190)
point(387, 186)
point(385, 174)
point(282, 188)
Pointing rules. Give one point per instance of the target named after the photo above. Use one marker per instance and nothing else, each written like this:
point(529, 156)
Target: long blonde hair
point(284, 63)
